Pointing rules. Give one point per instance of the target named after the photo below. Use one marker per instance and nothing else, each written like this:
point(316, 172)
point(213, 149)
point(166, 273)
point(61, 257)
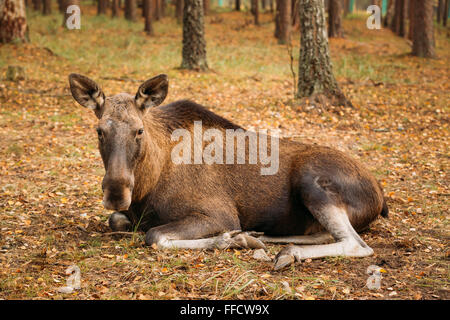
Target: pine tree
point(335, 19)
point(13, 21)
point(423, 36)
point(194, 44)
point(315, 70)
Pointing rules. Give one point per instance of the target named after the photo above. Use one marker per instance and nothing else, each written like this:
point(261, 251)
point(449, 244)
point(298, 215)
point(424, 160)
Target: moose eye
point(100, 133)
point(140, 131)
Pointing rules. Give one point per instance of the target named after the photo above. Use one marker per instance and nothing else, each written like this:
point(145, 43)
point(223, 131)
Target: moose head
point(122, 134)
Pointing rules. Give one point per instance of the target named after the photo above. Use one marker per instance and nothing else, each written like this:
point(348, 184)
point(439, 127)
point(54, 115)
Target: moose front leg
point(193, 232)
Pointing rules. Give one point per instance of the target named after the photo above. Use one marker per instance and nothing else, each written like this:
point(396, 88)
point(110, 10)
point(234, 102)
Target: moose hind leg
point(316, 238)
point(348, 243)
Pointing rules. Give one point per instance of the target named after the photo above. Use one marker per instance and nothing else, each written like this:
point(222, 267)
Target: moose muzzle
point(117, 192)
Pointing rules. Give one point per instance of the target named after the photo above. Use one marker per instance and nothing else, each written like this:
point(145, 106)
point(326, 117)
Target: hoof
point(238, 239)
point(283, 261)
point(245, 240)
point(284, 258)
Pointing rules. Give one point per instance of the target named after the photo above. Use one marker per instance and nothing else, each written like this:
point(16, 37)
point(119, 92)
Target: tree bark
point(399, 20)
point(411, 20)
point(423, 37)
point(115, 8)
point(277, 19)
point(389, 18)
point(346, 5)
point(335, 19)
point(445, 16)
point(37, 5)
point(65, 5)
point(130, 10)
point(206, 5)
point(179, 4)
point(47, 7)
point(102, 7)
point(157, 10)
point(285, 21)
point(440, 10)
point(61, 6)
point(13, 21)
point(295, 16)
point(147, 8)
point(162, 8)
point(315, 78)
point(255, 11)
point(194, 44)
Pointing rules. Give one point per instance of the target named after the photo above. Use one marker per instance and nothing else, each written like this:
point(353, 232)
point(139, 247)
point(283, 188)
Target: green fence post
point(384, 7)
point(351, 6)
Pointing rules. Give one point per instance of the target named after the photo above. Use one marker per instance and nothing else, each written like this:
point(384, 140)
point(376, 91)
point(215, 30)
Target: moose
point(317, 201)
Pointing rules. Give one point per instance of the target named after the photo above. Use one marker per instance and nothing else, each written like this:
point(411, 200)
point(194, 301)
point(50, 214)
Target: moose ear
point(152, 92)
point(86, 92)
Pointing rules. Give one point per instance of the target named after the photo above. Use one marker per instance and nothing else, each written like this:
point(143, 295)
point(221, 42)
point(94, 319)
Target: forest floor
point(51, 214)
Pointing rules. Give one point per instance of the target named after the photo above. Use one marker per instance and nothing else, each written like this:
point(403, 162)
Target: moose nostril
point(117, 200)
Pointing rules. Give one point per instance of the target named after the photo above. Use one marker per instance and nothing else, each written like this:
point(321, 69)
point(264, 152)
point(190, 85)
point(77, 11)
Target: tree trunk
point(130, 10)
point(37, 5)
point(335, 19)
point(13, 21)
point(65, 5)
point(179, 10)
point(315, 78)
point(157, 10)
point(47, 7)
point(194, 44)
point(285, 21)
point(147, 8)
point(162, 9)
point(411, 20)
point(255, 6)
point(102, 7)
point(389, 18)
point(61, 6)
point(440, 10)
point(423, 37)
point(399, 20)
point(277, 19)
point(115, 8)
point(237, 5)
point(206, 6)
point(295, 17)
point(346, 5)
point(445, 16)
